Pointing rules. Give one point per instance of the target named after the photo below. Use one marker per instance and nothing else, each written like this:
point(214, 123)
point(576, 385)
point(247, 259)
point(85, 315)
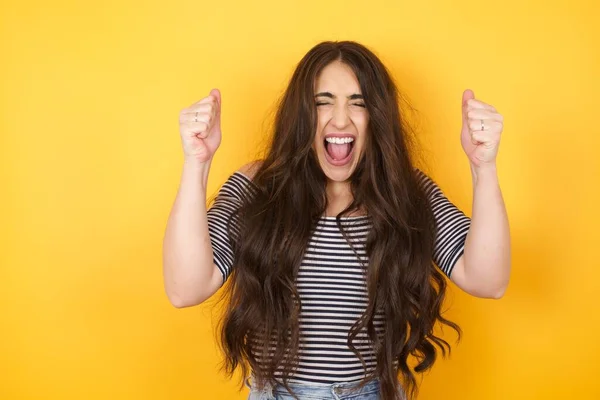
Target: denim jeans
point(334, 391)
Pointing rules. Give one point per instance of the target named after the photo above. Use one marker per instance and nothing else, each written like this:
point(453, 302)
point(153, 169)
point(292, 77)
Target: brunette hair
point(260, 328)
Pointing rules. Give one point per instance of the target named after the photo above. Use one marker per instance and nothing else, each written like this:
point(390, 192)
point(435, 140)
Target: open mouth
point(339, 151)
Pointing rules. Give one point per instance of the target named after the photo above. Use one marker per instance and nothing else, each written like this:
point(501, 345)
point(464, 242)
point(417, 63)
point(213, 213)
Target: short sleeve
point(452, 226)
point(229, 199)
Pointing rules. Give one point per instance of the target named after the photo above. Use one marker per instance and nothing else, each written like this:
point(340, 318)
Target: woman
point(334, 246)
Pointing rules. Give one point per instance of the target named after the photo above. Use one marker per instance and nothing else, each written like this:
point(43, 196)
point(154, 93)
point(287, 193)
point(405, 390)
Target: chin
point(338, 176)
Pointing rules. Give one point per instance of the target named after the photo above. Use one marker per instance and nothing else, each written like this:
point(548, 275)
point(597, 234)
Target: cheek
point(321, 121)
point(361, 122)
point(317, 141)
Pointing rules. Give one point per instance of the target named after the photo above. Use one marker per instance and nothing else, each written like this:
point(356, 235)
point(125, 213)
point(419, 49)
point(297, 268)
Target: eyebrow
point(332, 96)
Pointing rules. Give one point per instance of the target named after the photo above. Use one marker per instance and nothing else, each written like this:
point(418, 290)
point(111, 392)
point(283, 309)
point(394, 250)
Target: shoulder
point(425, 180)
point(422, 177)
point(250, 169)
point(238, 185)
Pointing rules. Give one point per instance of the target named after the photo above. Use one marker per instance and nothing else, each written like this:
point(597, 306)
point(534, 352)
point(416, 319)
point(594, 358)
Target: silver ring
point(196, 119)
point(482, 126)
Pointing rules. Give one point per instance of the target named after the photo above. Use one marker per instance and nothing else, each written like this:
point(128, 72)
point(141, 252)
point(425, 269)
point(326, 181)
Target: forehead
point(337, 77)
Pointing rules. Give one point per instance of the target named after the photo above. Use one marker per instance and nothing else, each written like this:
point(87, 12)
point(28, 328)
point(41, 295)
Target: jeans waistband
point(333, 390)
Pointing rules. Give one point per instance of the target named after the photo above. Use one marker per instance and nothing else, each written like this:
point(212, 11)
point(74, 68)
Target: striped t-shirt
point(331, 281)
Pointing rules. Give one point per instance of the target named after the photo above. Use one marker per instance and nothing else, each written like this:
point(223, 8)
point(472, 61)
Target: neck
point(337, 190)
point(339, 196)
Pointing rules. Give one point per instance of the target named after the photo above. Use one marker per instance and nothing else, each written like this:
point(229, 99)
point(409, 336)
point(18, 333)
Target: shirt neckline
point(344, 218)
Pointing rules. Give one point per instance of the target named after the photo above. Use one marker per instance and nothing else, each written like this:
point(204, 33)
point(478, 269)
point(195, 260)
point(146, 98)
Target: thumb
point(467, 95)
point(217, 94)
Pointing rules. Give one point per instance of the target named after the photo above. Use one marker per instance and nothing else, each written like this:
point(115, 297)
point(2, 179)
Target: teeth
point(339, 140)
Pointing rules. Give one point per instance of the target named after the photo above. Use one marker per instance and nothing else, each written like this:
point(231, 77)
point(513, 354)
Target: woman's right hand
point(200, 128)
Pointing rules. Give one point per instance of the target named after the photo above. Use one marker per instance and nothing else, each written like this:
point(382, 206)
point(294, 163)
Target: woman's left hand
point(480, 146)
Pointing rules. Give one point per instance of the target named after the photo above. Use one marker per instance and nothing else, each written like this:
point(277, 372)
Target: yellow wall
point(90, 163)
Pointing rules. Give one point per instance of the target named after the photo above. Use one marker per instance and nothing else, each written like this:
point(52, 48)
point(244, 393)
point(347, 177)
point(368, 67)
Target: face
point(342, 121)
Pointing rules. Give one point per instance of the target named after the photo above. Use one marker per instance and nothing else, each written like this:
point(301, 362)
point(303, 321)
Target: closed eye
point(356, 104)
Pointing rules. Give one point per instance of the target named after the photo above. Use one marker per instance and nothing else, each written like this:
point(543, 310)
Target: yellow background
point(91, 160)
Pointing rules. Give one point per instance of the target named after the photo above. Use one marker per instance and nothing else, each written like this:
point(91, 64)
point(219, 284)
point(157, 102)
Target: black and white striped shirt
point(331, 281)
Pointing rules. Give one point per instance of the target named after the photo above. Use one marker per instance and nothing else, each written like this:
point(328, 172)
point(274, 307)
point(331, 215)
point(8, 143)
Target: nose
point(340, 116)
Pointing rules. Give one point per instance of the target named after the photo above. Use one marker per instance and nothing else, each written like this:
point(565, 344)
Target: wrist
point(196, 170)
point(485, 172)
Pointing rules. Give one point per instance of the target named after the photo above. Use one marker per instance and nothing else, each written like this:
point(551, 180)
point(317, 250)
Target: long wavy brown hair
point(260, 328)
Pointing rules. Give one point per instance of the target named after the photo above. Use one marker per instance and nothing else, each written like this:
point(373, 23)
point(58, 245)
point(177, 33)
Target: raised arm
point(189, 273)
point(484, 269)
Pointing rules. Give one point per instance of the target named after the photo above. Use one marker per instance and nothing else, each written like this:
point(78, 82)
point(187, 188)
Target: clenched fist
point(482, 128)
point(200, 128)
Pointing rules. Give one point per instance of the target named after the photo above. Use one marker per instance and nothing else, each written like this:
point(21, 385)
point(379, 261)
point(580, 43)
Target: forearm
point(187, 251)
point(487, 249)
